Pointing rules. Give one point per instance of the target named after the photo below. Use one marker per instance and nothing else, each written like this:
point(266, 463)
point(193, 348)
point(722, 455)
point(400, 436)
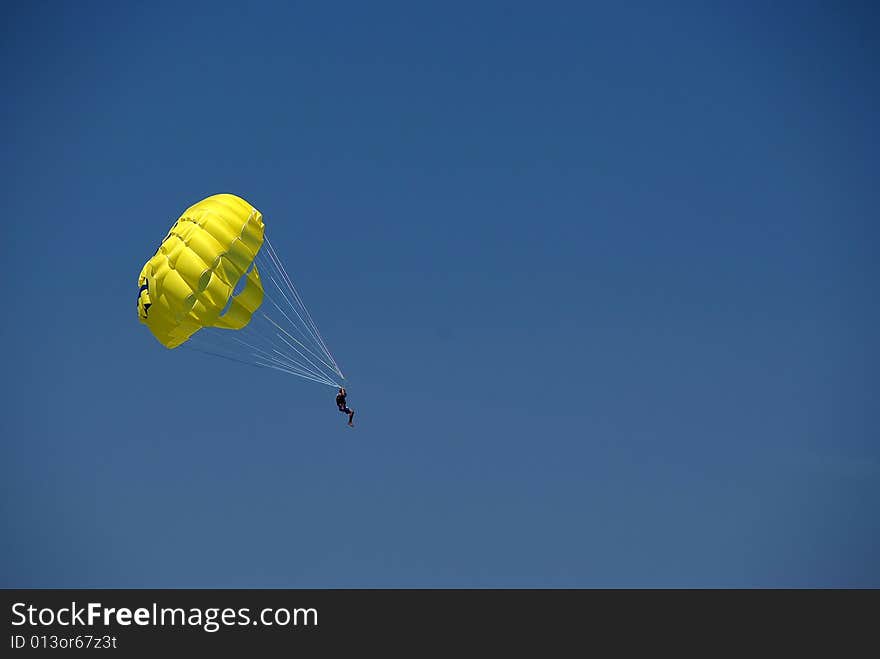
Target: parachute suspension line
point(259, 364)
point(218, 344)
point(291, 346)
point(283, 361)
point(275, 262)
point(306, 335)
point(305, 377)
point(323, 361)
point(289, 343)
point(267, 345)
point(274, 257)
point(270, 265)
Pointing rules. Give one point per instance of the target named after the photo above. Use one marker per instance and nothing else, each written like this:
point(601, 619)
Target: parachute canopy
point(189, 282)
point(216, 285)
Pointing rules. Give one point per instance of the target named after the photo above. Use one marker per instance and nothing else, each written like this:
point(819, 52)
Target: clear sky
point(602, 276)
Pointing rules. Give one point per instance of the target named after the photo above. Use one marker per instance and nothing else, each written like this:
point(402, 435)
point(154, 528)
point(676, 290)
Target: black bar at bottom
point(549, 622)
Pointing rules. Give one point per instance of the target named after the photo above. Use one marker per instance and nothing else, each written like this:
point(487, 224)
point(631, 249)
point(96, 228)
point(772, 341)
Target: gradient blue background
point(603, 278)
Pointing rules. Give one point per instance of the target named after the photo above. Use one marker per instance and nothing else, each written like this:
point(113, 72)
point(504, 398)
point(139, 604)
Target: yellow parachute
point(189, 282)
point(216, 285)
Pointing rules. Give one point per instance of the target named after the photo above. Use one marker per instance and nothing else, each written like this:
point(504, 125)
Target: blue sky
point(602, 277)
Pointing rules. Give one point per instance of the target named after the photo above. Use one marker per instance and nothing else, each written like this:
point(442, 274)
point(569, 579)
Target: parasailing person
point(343, 407)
